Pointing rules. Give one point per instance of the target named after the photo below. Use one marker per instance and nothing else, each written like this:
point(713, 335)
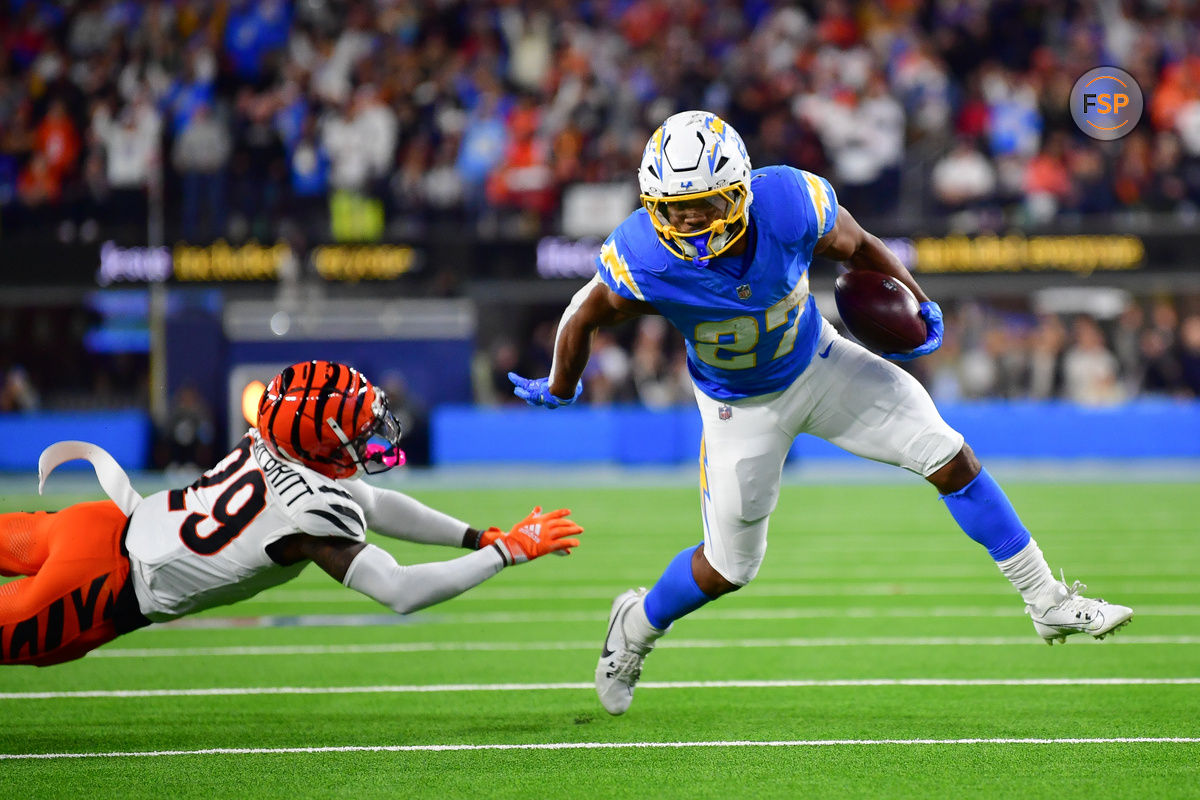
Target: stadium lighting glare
point(250, 397)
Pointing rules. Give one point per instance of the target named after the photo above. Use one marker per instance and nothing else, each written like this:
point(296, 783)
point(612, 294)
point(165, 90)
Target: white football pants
point(850, 397)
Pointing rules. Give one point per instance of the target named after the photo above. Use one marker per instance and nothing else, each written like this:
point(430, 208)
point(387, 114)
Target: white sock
point(1029, 574)
point(640, 635)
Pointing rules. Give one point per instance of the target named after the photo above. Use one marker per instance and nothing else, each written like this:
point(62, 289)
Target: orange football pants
point(70, 602)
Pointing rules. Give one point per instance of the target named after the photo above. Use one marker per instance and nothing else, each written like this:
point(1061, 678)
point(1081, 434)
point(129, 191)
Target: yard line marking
point(439, 748)
point(600, 615)
point(883, 588)
point(422, 647)
point(420, 688)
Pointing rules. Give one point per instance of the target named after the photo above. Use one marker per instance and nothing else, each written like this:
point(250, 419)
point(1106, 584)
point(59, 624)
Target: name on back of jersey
point(289, 484)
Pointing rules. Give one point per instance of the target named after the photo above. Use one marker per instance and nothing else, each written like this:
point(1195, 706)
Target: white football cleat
point(1070, 612)
point(620, 663)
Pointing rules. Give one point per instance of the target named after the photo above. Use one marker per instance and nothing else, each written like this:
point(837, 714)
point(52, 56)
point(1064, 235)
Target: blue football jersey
point(750, 324)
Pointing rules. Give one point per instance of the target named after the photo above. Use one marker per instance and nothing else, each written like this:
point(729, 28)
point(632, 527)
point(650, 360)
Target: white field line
point(531, 687)
point(599, 616)
point(670, 644)
point(441, 748)
point(882, 588)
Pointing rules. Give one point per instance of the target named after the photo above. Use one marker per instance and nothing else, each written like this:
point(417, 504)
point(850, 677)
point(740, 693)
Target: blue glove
point(931, 312)
point(536, 391)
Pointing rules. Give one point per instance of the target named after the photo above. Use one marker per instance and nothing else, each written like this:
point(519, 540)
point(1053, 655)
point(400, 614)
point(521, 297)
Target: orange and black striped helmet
point(324, 415)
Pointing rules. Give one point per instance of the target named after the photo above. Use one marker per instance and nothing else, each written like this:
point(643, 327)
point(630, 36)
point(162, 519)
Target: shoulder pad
point(315, 503)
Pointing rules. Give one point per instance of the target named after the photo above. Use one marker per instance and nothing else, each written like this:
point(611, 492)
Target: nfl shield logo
point(724, 412)
point(743, 294)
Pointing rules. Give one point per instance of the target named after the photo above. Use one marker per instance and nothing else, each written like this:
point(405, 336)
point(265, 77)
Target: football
point(879, 311)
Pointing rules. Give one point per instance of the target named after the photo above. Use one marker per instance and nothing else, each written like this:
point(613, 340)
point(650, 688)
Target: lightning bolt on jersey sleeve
point(613, 267)
point(822, 204)
point(405, 589)
point(749, 321)
point(399, 516)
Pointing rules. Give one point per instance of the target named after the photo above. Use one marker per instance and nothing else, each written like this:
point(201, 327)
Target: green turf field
point(875, 650)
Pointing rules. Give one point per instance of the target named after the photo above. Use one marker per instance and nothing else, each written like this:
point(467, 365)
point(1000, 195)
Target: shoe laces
point(628, 667)
point(1075, 601)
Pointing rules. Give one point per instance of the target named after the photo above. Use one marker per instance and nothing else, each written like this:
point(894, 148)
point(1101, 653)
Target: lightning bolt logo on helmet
point(695, 185)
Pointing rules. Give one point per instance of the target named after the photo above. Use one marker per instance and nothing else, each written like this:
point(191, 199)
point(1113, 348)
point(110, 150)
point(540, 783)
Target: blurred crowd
point(991, 351)
point(1151, 349)
point(360, 119)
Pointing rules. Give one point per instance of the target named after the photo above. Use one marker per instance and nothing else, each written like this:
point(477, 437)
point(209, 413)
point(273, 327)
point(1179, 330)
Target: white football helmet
point(696, 156)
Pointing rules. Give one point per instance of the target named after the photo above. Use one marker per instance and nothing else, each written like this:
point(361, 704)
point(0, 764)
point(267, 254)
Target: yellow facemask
point(729, 204)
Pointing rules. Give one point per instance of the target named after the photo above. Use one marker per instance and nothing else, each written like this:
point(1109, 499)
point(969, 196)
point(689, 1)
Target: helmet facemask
point(377, 449)
point(725, 210)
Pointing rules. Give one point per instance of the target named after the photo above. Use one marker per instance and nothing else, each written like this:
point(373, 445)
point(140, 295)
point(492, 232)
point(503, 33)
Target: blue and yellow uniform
point(750, 323)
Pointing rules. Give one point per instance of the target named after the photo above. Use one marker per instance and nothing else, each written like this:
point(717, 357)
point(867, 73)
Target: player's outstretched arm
point(398, 516)
point(594, 306)
point(850, 243)
point(374, 572)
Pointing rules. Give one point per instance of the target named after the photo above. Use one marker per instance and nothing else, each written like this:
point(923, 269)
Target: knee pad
point(758, 486)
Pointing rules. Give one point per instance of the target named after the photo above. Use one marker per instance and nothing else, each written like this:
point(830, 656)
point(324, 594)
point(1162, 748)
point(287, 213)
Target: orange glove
point(537, 535)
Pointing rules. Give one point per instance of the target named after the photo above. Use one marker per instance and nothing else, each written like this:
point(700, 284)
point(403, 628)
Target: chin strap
point(337, 431)
point(112, 478)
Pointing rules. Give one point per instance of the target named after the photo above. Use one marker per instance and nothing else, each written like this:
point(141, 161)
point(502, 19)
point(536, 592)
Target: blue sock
point(984, 513)
point(676, 594)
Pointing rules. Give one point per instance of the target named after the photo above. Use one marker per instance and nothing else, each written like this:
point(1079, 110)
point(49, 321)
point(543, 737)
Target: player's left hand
point(536, 391)
point(931, 312)
point(539, 534)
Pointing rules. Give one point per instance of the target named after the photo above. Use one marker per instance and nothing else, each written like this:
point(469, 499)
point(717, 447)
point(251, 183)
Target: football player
point(722, 252)
point(288, 494)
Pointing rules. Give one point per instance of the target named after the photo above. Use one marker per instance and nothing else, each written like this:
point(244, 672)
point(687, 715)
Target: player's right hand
point(935, 328)
point(536, 391)
point(539, 534)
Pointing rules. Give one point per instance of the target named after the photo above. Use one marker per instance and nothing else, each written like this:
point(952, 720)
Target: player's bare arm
point(332, 555)
point(859, 249)
point(848, 242)
point(593, 307)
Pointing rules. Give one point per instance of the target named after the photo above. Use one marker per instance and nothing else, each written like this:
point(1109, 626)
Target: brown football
point(879, 311)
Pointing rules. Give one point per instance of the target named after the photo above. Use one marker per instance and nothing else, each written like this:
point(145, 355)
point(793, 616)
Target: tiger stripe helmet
point(324, 415)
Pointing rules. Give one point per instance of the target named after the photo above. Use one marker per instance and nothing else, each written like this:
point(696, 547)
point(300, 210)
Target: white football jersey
point(206, 545)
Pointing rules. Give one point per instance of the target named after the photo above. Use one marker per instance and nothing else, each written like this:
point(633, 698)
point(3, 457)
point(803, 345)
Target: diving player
point(288, 494)
point(723, 252)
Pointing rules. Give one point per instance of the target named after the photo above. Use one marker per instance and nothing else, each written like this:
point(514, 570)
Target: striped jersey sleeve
point(331, 511)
